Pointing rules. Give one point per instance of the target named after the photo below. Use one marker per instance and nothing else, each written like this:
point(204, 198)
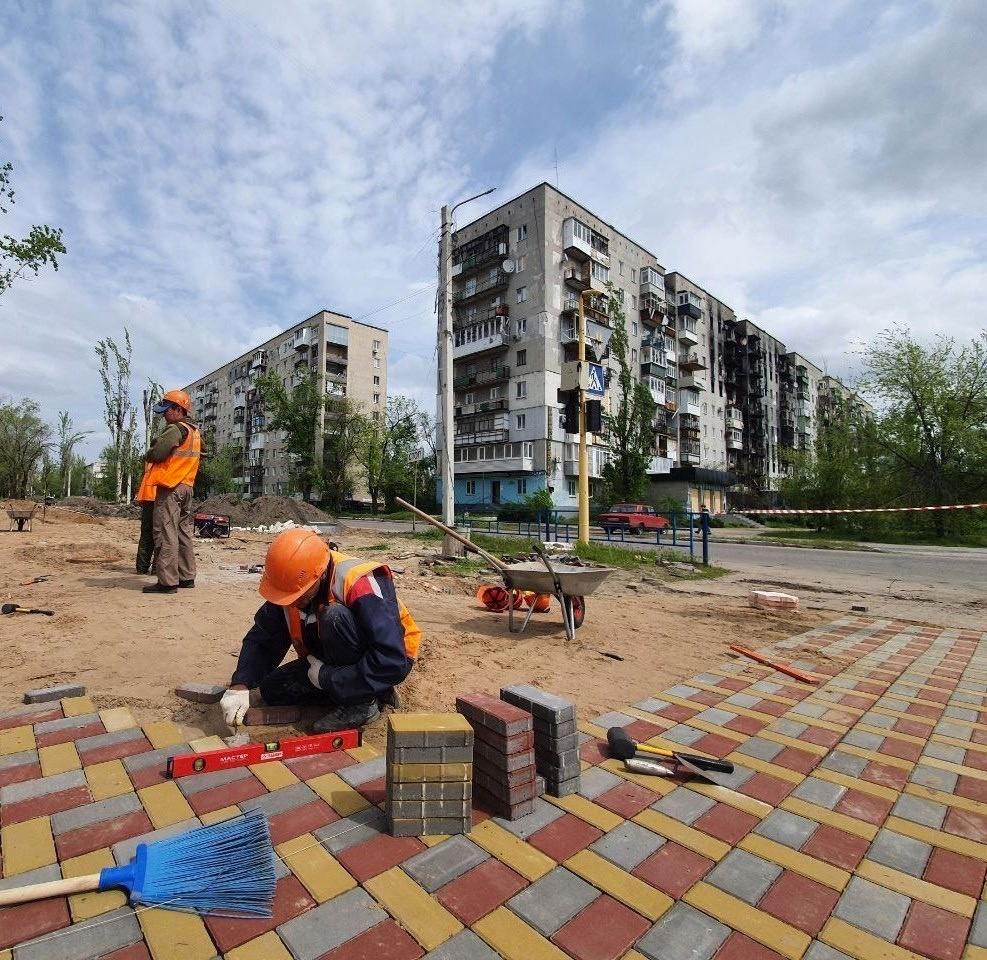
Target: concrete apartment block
point(348, 357)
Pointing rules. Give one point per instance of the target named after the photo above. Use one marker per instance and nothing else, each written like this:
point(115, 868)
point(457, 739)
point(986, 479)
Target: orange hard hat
point(295, 561)
point(178, 397)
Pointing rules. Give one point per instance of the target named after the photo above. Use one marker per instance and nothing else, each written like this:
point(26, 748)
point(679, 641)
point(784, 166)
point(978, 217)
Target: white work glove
point(234, 705)
point(315, 666)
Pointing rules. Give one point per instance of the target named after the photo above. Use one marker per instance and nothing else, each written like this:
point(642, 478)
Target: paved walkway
point(854, 825)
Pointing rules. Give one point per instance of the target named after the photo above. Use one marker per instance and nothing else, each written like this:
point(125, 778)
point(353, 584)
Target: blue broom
point(226, 869)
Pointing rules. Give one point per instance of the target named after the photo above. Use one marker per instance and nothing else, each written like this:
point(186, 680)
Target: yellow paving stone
point(813, 748)
point(734, 735)
point(513, 939)
point(762, 766)
point(657, 784)
point(879, 757)
point(756, 808)
point(971, 953)
point(518, 855)
point(949, 799)
point(841, 821)
point(946, 841)
point(917, 889)
point(860, 944)
point(172, 935)
point(430, 772)
point(630, 955)
point(117, 718)
point(428, 722)
point(855, 783)
point(6, 955)
point(591, 729)
point(756, 924)
point(685, 836)
point(27, 845)
point(204, 744)
point(418, 912)
point(223, 813)
point(629, 890)
point(78, 706)
point(163, 733)
point(893, 734)
point(649, 717)
point(273, 774)
point(86, 905)
point(16, 739)
point(955, 768)
point(108, 779)
point(592, 813)
point(339, 794)
point(165, 804)
point(802, 863)
point(266, 947)
point(322, 875)
point(363, 753)
point(435, 838)
point(58, 759)
point(899, 715)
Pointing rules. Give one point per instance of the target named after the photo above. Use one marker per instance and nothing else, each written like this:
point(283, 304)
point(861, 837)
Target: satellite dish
point(507, 266)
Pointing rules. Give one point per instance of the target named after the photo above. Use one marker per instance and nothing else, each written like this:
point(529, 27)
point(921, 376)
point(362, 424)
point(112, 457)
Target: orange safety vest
point(345, 573)
point(180, 466)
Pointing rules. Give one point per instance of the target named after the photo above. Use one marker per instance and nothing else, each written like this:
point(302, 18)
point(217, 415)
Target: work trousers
point(340, 645)
point(145, 546)
point(173, 535)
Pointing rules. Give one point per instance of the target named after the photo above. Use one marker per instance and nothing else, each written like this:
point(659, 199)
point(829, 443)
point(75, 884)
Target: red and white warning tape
point(950, 506)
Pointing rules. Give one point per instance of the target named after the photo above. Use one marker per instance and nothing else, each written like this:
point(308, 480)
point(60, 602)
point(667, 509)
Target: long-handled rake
point(226, 868)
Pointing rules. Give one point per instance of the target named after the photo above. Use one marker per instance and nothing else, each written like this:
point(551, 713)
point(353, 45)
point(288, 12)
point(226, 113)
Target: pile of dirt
point(263, 511)
point(100, 508)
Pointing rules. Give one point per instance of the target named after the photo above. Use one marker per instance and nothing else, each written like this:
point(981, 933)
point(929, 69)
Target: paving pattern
point(855, 825)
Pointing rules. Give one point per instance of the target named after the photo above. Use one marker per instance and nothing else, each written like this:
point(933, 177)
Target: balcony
point(659, 465)
point(257, 441)
point(484, 406)
point(652, 309)
point(688, 331)
point(689, 402)
point(692, 360)
point(689, 305)
point(495, 280)
point(662, 421)
point(304, 339)
point(336, 375)
point(258, 361)
point(594, 308)
point(653, 368)
point(693, 381)
point(517, 457)
point(487, 248)
point(735, 440)
point(689, 452)
point(480, 377)
point(577, 276)
point(734, 420)
point(657, 388)
point(479, 339)
point(582, 243)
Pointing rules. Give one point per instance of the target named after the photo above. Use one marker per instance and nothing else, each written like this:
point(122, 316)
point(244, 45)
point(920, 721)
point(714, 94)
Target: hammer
point(624, 748)
point(17, 608)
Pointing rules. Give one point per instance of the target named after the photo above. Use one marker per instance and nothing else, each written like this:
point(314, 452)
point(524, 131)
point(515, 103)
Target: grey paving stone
point(683, 933)
point(206, 781)
point(961, 713)
point(547, 731)
point(325, 927)
point(42, 787)
point(596, 780)
point(102, 740)
point(821, 792)
point(955, 730)
point(543, 814)
point(738, 778)
point(18, 759)
point(744, 875)
point(743, 700)
point(464, 946)
point(711, 678)
point(89, 939)
point(860, 738)
point(843, 762)
point(613, 719)
point(822, 951)
point(65, 723)
point(787, 828)
point(277, 801)
point(934, 778)
point(441, 864)
point(40, 875)
point(350, 831)
point(541, 704)
point(684, 805)
point(683, 734)
point(628, 845)
point(878, 720)
point(919, 810)
point(788, 728)
point(26, 712)
point(150, 758)
point(123, 852)
point(652, 705)
point(361, 773)
point(961, 697)
point(62, 690)
point(717, 716)
point(900, 852)
point(815, 710)
point(978, 932)
point(92, 813)
point(870, 907)
point(682, 691)
point(766, 686)
point(443, 754)
point(760, 748)
point(943, 751)
point(553, 900)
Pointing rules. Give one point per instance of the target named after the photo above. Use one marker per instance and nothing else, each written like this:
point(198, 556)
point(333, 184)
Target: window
point(376, 398)
point(522, 486)
point(522, 357)
point(572, 488)
point(599, 272)
point(633, 275)
point(633, 356)
point(376, 381)
point(470, 488)
point(521, 233)
point(522, 325)
point(376, 363)
point(522, 390)
point(620, 267)
point(520, 264)
point(376, 344)
point(468, 399)
point(522, 294)
point(634, 327)
point(522, 419)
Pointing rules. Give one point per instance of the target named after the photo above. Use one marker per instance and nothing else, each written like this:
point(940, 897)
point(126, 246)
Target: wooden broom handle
point(54, 888)
point(455, 534)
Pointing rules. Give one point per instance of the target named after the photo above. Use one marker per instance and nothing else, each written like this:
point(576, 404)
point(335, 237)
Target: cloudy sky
point(223, 170)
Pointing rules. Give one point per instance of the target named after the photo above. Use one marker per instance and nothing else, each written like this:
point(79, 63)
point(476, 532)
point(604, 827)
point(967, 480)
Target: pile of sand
point(264, 511)
point(100, 508)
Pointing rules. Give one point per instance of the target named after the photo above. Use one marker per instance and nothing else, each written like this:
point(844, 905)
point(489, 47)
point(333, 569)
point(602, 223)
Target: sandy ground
point(130, 648)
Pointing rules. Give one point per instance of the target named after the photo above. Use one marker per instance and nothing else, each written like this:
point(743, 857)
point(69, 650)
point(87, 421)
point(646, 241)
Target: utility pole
point(583, 533)
point(450, 547)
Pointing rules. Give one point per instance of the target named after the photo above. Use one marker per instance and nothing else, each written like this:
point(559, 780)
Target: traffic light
point(570, 412)
point(594, 416)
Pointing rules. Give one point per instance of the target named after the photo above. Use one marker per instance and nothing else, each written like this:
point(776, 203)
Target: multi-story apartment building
point(348, 358)
point(731, 399)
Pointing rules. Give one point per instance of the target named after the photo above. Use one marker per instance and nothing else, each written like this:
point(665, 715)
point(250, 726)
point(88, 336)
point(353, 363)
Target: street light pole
point(583, 533)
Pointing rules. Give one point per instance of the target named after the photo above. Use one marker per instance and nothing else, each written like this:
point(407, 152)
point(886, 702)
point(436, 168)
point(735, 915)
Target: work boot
point(347, 717)
point(390, 699)
point(159, 588)
point(186, 584)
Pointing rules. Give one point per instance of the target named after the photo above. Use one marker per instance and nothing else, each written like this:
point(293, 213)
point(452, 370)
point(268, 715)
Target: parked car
point(635, 517)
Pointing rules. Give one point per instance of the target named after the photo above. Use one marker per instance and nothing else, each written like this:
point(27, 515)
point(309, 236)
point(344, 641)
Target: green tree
point(114, 371)
point(386, 448)
point(24, 441)
point(343, 430)
point(40, 248)
point(68, 439)
point(629, 428)
point(217, 471)
point(297, 411)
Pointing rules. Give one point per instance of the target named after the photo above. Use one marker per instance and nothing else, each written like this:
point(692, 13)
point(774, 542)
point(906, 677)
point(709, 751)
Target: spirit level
point(251, 753)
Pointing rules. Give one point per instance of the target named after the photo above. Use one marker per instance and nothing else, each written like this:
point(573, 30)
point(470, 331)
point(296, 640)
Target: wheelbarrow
point(21, 516)
point(570, 585)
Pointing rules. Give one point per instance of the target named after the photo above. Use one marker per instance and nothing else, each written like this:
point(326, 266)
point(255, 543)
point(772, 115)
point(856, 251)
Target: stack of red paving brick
point(504, 778)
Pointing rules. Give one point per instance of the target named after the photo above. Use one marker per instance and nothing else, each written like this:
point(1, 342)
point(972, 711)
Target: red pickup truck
point(635, 517)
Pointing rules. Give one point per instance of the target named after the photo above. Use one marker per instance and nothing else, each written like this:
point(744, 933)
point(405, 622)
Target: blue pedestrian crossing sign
point(596, 383)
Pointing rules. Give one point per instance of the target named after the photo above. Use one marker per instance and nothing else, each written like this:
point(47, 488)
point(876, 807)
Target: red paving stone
point(885, 775)
point(136, 951)
point(769, 789)
point(956, 871)
point(215, 798)
point(727, 823)
point(594, 751)
point(303, 819)
point(480, 890)
point(115, 751)
point(642, 730)
point(148, 777)
point(966, 823)
point(821, 736)
point(374, 790)
point(367, 859)
point(29, 920)
point(44, 806)
point(605, 930)
point(747, 725)
point(673, 869)
point(798, 760)
point(70, 735)
point(290, 899)
point(772, 708)
point(976, 759)
point(627, 799)
point(386, 941)
point(26, 771)
point(730, 683)
point(864, 807)
point(837, 847)
point(799, 901)
point(708, 698)
point(934, 933)
point(307, 768)
point(971, 788)
point(42, 716)
point(740, 947)
point(564, 837)
point(74, 843)
point(715, 745)
point(892, 747)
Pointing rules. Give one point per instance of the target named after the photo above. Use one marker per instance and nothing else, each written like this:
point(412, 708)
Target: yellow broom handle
point(658, 751)
point(54, 888)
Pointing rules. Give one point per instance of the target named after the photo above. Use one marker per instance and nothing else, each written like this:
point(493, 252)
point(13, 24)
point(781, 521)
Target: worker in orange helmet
point(355, 640)
point(172, 466)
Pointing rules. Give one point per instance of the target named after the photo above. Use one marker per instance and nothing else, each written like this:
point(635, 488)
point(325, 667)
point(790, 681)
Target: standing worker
point(174, 459)
point(355, 640)
point(145, 498)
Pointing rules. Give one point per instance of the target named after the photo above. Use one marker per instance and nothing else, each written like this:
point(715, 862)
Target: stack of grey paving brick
point(556, 737)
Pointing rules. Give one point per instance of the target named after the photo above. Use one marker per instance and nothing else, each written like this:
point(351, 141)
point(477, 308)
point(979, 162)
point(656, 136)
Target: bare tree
point(152, 394)
point(68, 438)
point(114, 371)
